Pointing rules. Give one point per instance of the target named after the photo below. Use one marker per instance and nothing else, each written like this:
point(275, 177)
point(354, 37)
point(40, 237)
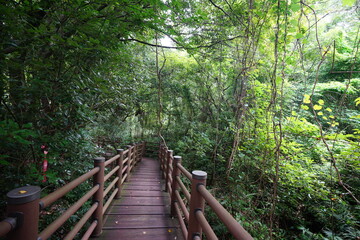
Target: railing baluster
point(129, 161)
point(196, 203)
point(134, 154)
point(119, 172)
point(23, 204)
point(143, 149)
point(98, 196)
point(175, 185)
point(163, 162)
point(133, 161)
point(168, 162)
point(159, 154)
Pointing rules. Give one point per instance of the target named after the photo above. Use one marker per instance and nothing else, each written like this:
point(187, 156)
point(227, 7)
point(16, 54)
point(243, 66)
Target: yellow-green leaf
point(304, 107)
point(328, 109)
point(348, 2)
point(321, 102)
point(320, 113)
point(317, 107)
point(299, 35)
point(325, 118)
point(357, 101)
point(331, 116)
point(306, 98)
point(293, 113)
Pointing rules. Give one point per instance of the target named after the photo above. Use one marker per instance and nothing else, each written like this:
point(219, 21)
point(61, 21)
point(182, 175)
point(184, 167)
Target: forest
point(262, 95)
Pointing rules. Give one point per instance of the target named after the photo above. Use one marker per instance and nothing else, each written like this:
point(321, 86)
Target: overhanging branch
point(182, 47)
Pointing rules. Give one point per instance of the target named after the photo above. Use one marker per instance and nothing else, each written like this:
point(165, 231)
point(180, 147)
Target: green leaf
point(295, 7)
point(348, 2)
point(299, 35)
point(21, 140)
point(3, 161)
point(293, 22)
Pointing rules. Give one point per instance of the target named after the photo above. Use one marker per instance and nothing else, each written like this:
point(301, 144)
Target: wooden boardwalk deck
point(143, 211)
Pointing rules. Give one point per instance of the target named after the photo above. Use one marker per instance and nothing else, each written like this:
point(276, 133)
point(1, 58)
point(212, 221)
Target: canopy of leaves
point(263, 94)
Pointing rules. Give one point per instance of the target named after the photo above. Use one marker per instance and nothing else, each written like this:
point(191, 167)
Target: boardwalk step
point(143, 183)
point(136, 201)
point(134, 210)
point(142, 234)
point(138, 221)
point(156, 187)
point(138, 193)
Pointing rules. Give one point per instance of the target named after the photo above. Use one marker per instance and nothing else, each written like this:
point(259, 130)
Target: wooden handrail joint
point(15, 220)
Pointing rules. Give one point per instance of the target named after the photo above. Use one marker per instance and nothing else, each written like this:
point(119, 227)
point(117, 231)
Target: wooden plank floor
point(143, 211)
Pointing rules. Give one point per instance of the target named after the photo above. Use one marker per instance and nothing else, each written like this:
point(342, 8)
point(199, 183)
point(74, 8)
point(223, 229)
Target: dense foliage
point(263, 95)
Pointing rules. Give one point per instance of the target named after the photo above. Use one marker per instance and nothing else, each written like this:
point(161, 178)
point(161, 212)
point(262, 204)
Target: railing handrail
point(199, 195)
point(59, 193)
point(7, 225)
point(232, 225)
point(26, 204)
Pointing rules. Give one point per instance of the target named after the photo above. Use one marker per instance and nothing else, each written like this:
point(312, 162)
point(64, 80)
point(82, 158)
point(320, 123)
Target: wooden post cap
point(197, 174)
point(23, 195)
point(99, 159)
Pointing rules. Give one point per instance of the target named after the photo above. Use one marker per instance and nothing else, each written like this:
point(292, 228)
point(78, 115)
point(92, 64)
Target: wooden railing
point(24, 204)
point(187, 206)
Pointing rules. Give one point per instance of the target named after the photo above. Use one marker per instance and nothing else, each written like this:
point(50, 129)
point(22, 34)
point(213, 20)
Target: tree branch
point(181, 47)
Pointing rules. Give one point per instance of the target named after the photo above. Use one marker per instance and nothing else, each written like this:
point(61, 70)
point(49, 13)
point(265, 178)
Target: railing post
point(168, 163)
point(175, 185)
point(98, 196)
point(196, 203)
point(163, 162)
point(139, 151)
point(23, 204)
point(129, 162)
point(119, 162)
point(133, 161)
point(159, 153)
point(143, 149)
point(136, 157)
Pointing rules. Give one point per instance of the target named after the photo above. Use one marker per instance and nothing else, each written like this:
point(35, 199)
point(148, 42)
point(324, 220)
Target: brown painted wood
point(143, 211)
point(156, 187)
point(138, 221)
point(142, 193)
point(145, 183)
point(142, 234)
point(126, 210)
point(142, 201)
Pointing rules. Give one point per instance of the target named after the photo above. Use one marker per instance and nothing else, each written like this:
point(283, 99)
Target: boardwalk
point(143, 210)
